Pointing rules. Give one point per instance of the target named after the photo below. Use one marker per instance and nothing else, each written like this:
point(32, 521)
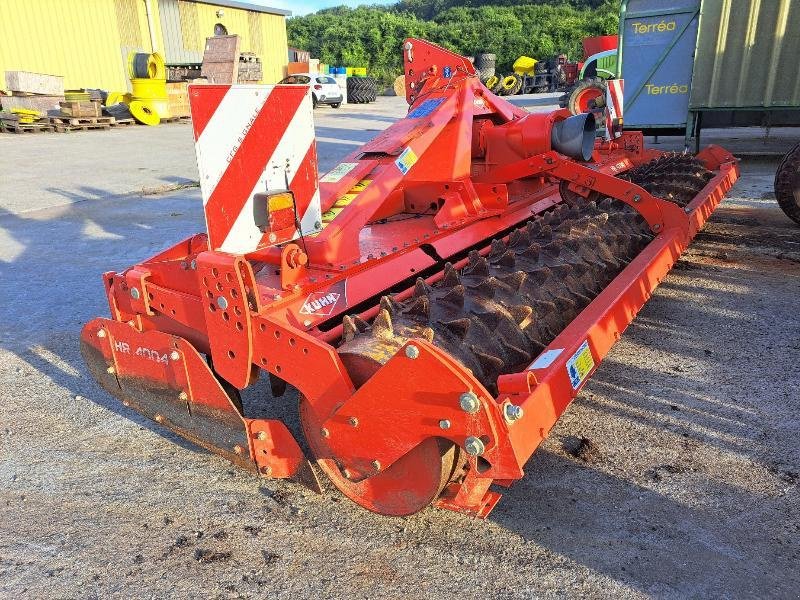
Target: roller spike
point(454, 296)
point(388, 305)
point(508, 259)
point(515, 354)
point(419, 307)
point(490, 365)
point(421, 288)
point(487, 287)
point(532, 252)
point(451, 277)
point(522, 314)
point(458, 327)
point(540, 275)
point(382, 326)
point(349, 329)
point(478, 265)
point(514, 280)
point(427, 334)
point(489, 318)
point(498, 249)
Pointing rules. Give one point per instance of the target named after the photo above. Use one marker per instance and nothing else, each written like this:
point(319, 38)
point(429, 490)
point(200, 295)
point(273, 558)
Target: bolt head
point(101, 333)
point(512, 412)
point(376, 464)
point(324, 432)
point(111, 370)
point(222, 302)
point(474, 446)
point(307, 323)
point(159, 419)
point(266, 470)
point(444, 424)
point(237, 448)
point(347, 474)
point(261, 435)
point(135, 293)
point(469, 402)
point(183, 396)
point(175, 355)
point(412, 351)
point(353, 421)
point(193, 265)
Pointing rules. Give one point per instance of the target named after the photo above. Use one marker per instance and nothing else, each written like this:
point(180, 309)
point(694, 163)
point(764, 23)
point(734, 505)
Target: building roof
point(247, 6)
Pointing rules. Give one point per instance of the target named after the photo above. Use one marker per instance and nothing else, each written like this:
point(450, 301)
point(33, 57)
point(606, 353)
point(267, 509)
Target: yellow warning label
point(344, 201)
point(580, 365)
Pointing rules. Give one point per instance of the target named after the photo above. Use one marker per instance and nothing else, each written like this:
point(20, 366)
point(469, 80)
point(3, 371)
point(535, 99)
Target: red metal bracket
point(228, 290)
point(419, 391)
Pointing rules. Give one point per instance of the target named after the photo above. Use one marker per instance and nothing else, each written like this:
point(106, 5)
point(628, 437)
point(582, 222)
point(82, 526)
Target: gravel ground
point(685, 482)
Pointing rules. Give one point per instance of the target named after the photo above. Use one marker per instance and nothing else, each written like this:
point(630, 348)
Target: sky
point(303, 7)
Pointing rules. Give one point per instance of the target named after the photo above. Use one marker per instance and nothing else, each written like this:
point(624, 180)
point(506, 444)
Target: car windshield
point(297, 79)
point(326, 80)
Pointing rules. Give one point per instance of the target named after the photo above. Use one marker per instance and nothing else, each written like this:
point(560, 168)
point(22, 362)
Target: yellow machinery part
point(508, 82)
point(144, 113)
point(115, 98)
point(149, 88)
point(492, 81)
point(525, 65)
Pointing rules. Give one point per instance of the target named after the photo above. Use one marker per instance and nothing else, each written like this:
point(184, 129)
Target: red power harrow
point(472, 266)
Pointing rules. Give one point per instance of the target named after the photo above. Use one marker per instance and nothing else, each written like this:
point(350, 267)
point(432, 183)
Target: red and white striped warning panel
point(614, 107)
point(252, 141)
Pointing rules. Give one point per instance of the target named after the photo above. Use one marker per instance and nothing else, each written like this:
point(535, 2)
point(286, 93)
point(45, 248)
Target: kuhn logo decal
point(320, 303)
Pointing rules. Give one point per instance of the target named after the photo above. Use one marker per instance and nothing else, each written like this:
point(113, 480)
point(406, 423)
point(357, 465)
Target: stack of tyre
point(504, 85)
point(361, 90)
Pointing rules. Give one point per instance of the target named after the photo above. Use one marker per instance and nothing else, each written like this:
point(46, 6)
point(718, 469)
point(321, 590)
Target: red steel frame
point(188, 301)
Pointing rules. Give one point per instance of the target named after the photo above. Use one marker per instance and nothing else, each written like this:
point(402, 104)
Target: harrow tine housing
point(437, 299)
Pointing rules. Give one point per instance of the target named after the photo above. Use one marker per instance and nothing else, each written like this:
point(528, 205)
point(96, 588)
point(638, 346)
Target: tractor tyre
point(787, 184)
point(517, 87)
point(484, 60)
point(508, 84)
point(370, 89)
point(357, 92)
point(584, 95)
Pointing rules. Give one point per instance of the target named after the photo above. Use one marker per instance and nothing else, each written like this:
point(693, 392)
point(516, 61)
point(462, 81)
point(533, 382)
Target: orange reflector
point(280, 211)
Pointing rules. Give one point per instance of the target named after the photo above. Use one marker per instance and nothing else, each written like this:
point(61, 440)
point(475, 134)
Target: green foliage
point(371, 36)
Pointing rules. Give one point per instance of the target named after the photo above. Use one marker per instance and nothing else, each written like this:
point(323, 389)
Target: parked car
point(324, 89)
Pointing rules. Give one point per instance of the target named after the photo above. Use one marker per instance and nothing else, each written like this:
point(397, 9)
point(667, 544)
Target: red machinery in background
point(437, 299)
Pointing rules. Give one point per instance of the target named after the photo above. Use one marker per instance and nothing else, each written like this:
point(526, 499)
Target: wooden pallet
point(64, 124)
point(17, 127)
point(183, 119)
point(123, 122)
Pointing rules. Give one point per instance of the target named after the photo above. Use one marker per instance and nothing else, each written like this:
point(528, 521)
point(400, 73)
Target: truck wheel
point(584, 95)
point(787, 184)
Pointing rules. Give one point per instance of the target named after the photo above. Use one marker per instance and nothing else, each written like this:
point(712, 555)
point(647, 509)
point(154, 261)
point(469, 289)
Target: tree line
point(371, 36)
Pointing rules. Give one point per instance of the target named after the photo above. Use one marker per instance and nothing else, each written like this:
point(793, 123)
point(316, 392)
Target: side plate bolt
point(111, 370)
point(469, 402)
point(266, 470)
point(261, 435)
point(159, 419)
point(474, 446)
point(444, 424)
point(324, 432)
point(183, 396)
point(101, 333)
point(237, 448)
point(222, 302)
point(636, 197)
point(135, 293)
point(513, 413)
point(175, 355)
point(376, 464)
point(412, 351)
point(353, 421)
point(346, 473)
point(193, 265)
